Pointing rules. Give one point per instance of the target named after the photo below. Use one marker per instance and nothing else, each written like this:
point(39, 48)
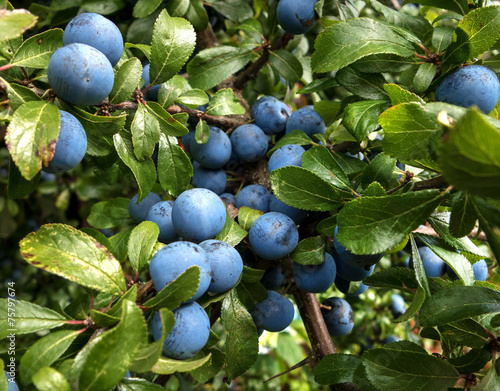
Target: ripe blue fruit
point(97, 31)
point(296, 16)
point(273, 277)
point(71, 145)
point(433, 265)
point(359, 260)
point(249, 143)
point(80, 74)
point(228, 198)
point(307, 120)
point(343, 285)
point(273, 235)
point(397, 305)
point(255, 197)
point(173, 260)
point(214, 180)
point(138, 211)
point(189, 334)
point(287, 155)
point(152, 93)
point(470, 85)
point(349, 272)
point(480, 269)
point(270, 114)
point(161, 214)
point(12, 385)
point(198, 214)
point(215, 152)
point(339, 319)
point(390, 338)
point(226, 264)
point(274, 313)
point(186, 139)
point(315, 278)
point(296, 214)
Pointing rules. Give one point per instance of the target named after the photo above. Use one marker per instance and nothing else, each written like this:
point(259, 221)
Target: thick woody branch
point(206, 39)
point(434, 183)
point(321, 342)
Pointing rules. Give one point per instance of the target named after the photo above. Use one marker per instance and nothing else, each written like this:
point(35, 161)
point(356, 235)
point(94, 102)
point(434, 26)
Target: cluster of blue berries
point(188, 226)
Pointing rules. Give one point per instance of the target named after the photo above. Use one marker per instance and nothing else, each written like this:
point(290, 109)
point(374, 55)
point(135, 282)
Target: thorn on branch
point(300, 364)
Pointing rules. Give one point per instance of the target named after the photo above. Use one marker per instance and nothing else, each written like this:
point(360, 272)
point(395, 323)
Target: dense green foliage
point(77, 264)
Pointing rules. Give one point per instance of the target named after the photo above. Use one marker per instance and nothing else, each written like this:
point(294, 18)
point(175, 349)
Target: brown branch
point(206, 39)
point(253, 70)
point(434, 183)
point(321, 342)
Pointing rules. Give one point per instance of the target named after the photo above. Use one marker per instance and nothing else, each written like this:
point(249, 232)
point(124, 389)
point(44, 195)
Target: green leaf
point(119, 243)
point(301, 188)
point(286, 64)
point(49, 379)
point(327, 226)
point(418, 266)
point(424, 76)
point(19, 94)
point(408, 370)
point(14, 23)
point(144, 171)
point(225, 102)
point(469, 158)
point(251, 26)
point(145, 49)
point(467, 332)
point(336, 368)
point(44, 352)
point(144, 8)
point(318, 85)
point(127, 79)
point(109, 214)
point(138, 384)
point(193, 98)
point(104, 360)
point(197, 15)
point(380, 63)
point(168, 124)
point(28, 318)
point(171, 90)
point(177, 7)
point(439, 221)
point(328, 110)
point(490, 382)
point(457, 303)
point(231, 233)
point(361, 118)
point(320, 161)
point(251, 275)
point(409, 131)
point(459, 6)
point(380, 170)
point(18, 186)
point(476, 33)
point(99, 129)
point(365, 85)
point(141, 244)
point(251, 293)
point(242, 343)
point(32, 135)
point(235, 10)
point(173, 42)
point(489, 220)
point(371, 225)
point(178, 291)
point(174, 166)
point(399, 95)
point(168, 366)
point(310, 251)
point(36, 51)
point(463, 216)
point(206, 372)
point(72, 254)
point(414, 25)
point(149, 355)
point(212, 66)
point(345, 42)
point(247, 216)
point(442, 37)
point(294, 137)
point(202, 133)
point(145, 133)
